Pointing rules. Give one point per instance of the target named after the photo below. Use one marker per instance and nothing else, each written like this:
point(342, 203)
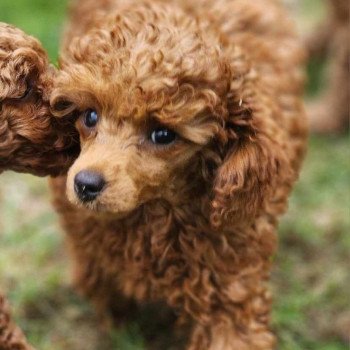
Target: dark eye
point(90, 118)
point(163, 136)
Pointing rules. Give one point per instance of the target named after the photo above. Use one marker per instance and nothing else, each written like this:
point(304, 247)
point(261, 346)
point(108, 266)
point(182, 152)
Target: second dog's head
point(31, 138)
point(163, 114)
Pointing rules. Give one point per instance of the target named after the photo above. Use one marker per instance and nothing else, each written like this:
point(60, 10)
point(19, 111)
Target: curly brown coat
point(192, 223)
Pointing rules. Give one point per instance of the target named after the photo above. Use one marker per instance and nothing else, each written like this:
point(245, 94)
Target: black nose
point(88, 185)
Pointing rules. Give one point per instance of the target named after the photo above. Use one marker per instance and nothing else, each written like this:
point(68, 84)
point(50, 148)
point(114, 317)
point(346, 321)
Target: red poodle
point(192, 134)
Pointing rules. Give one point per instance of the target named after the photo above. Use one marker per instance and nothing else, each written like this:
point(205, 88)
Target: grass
point(311, 279)
point(40, 18)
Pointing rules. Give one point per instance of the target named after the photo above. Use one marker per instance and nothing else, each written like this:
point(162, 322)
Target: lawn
point(310, 282)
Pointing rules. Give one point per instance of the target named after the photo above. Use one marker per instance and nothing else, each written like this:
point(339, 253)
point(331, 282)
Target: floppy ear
point(255, 174)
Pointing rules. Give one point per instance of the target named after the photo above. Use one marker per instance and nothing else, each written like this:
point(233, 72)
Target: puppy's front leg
point(229, 312)
point(225, 336)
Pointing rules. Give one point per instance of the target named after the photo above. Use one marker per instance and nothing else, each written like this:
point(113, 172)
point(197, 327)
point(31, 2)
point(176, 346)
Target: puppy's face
point(165, 114)
point(147, 118)
point(31, 140)
point(139, 145)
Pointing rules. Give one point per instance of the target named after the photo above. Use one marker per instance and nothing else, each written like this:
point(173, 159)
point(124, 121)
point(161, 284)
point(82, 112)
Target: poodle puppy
point(192, 134)
point(31, 139)
point(330, 112)
point(11, 337)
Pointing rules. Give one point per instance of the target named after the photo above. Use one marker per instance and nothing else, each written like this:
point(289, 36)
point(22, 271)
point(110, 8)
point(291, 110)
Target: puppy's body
point(191, 223)
point(31, 139)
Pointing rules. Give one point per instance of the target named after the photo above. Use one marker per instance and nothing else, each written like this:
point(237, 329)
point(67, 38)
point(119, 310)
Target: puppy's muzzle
point(88, 185)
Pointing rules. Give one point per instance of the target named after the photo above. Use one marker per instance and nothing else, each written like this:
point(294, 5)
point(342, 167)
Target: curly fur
point(11, 337)
point(31, 139)
point(194, 223)
point(331, 39)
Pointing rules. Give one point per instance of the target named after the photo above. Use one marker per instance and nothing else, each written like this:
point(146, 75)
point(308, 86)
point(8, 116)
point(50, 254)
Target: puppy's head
point(162, 115)
point(31, 140)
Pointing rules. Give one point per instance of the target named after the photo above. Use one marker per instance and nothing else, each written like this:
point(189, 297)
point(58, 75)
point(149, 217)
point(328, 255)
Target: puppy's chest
point(155, 256)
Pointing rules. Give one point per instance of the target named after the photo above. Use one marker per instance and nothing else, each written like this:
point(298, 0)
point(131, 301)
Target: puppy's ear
point(254, 167)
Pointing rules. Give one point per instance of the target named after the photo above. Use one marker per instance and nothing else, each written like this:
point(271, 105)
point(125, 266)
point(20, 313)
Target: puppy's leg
point(225, 336)
point(230, 315)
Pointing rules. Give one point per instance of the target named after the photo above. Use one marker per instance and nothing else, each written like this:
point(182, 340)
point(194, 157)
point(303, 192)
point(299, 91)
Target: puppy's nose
point(88, 185)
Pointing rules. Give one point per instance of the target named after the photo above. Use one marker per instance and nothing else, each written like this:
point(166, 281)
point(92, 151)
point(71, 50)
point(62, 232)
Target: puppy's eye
point(90, 118)
point(163, 136)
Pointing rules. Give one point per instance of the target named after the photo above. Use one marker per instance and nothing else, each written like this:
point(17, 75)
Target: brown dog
point(192, 131)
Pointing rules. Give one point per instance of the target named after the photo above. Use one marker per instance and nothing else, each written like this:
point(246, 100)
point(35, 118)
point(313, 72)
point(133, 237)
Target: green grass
point(310, 282)
point(40, 18)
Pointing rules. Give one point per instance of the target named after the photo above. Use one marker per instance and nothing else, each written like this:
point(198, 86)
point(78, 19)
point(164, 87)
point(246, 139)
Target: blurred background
point(311, 278)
